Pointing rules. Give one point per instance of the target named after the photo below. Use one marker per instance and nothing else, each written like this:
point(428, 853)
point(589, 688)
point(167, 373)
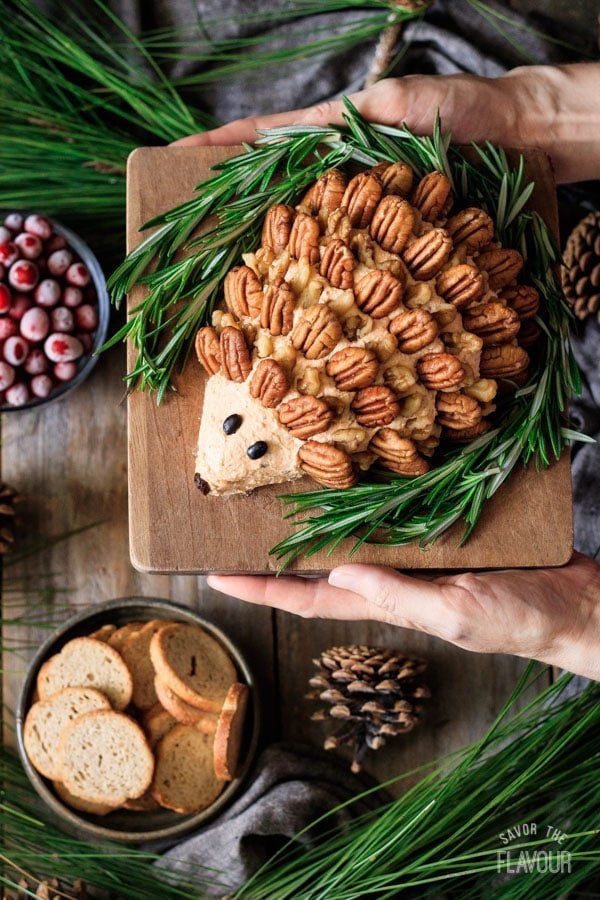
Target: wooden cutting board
point(173, 528)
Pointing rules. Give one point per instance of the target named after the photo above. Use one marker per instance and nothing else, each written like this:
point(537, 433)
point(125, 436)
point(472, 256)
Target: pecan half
point(269, 383)
point(440, 371)
point(456, 410)
point(317, 332)
point(361, 196)
point(414, 329)
point(502, 266)
point(208, 349)
point(529, 333)
point(460, 285)
point(375, 405)
point(523, 298)
point(304, 238)
point(243, 292)
point(397, 453)
point(306, 416)
point(494, 323)
point(464, 435)
point(504, 361)
point(471, 228)
point(396, 178)
point(378, 293)
point(427, 254)
point(277, 311)
point(235, 356)
point(326, 193)
point(328, 465)
point(392, 223)
point(277, 227)
point(353, 368)
point(433, 196)
point(337, 265)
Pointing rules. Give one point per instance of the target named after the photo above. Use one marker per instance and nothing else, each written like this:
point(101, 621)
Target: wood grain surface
point(174, 528)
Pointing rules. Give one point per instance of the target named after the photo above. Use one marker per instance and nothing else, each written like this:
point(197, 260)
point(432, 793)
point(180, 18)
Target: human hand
point(556, 109)
point(552, 615)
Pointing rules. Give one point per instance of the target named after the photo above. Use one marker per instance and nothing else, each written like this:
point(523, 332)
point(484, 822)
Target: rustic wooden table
point(69, 460)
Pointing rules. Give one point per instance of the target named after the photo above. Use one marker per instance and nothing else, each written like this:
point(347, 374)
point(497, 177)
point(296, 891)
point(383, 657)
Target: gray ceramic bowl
point(122, 825)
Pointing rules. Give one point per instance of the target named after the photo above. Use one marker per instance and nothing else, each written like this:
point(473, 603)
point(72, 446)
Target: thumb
point(393, 597)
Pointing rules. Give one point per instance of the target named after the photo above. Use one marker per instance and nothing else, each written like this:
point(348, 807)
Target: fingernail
point(213, 582)
point(341, 577)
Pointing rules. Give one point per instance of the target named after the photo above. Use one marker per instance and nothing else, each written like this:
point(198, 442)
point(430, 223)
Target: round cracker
point(86, 662)
point(184, 778)
point(157, 722)
point(103, 633)
point(94, 809)
point(135, 651)
point(183, 712)
point(230, 730)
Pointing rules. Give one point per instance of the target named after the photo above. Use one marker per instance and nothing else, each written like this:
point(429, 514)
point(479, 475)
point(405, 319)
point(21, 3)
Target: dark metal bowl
point(122, 825)
point(88, 360)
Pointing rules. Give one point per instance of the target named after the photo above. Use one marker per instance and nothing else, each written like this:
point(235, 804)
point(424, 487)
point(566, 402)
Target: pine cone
point(581, 272)
point(8, 502)
point(374, 691)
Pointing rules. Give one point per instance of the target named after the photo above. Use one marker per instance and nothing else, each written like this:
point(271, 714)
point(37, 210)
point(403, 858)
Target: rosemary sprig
point(182, 294)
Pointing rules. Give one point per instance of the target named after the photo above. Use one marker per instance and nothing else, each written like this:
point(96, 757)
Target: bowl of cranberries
point(54, 310)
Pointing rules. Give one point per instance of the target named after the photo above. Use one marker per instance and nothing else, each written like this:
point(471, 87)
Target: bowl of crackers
point(138, 721)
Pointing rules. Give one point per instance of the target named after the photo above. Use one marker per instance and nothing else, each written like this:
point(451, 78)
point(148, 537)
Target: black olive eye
point(255, 451)
point(232, 423)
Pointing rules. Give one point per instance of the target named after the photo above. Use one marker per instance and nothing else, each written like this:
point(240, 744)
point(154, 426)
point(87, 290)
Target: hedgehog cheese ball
point(374, 320)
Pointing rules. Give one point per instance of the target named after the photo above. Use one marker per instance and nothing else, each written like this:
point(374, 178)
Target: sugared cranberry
point(72, 297)
point(47, 292)
point(20, 304)
point(38, 225)
point(7, 375)
point(14, 221)
point(56, 242)
point(5, 234)
point(78, 275)
point(59, 262)
point(86, 340)
point(35, 324)
point(36, 363)
point(65, 371)
point(62, 319)
point(5, 299)
point(8, 328)
point(29, 245)
point(41, 385)
point(9, 253)
point(62, 348)
point(17, 394)
point(15, 350)
point(23, 275)
point(86, 317)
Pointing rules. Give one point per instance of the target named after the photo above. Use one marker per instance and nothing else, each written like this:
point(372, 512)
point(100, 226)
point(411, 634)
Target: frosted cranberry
point(72, 296)
point(36, 363)
point(7, 375)
point(62, 319)
point(65, 371)
point(8, 328)
point(15, 350)
point(59, 262)
point(21, 303)
point(56, 242)
point(17, 394)
point(9, 253)
point(5, 299)
point(14, 221)
point(35, 324)
point(86, 340)
point(47, 292)
point(62, 348)
point(23, 275)
point(5, 234)
point(29, 245)
point(78, 275)
point(38, 225)
point(86, 317)
point(41, 385)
